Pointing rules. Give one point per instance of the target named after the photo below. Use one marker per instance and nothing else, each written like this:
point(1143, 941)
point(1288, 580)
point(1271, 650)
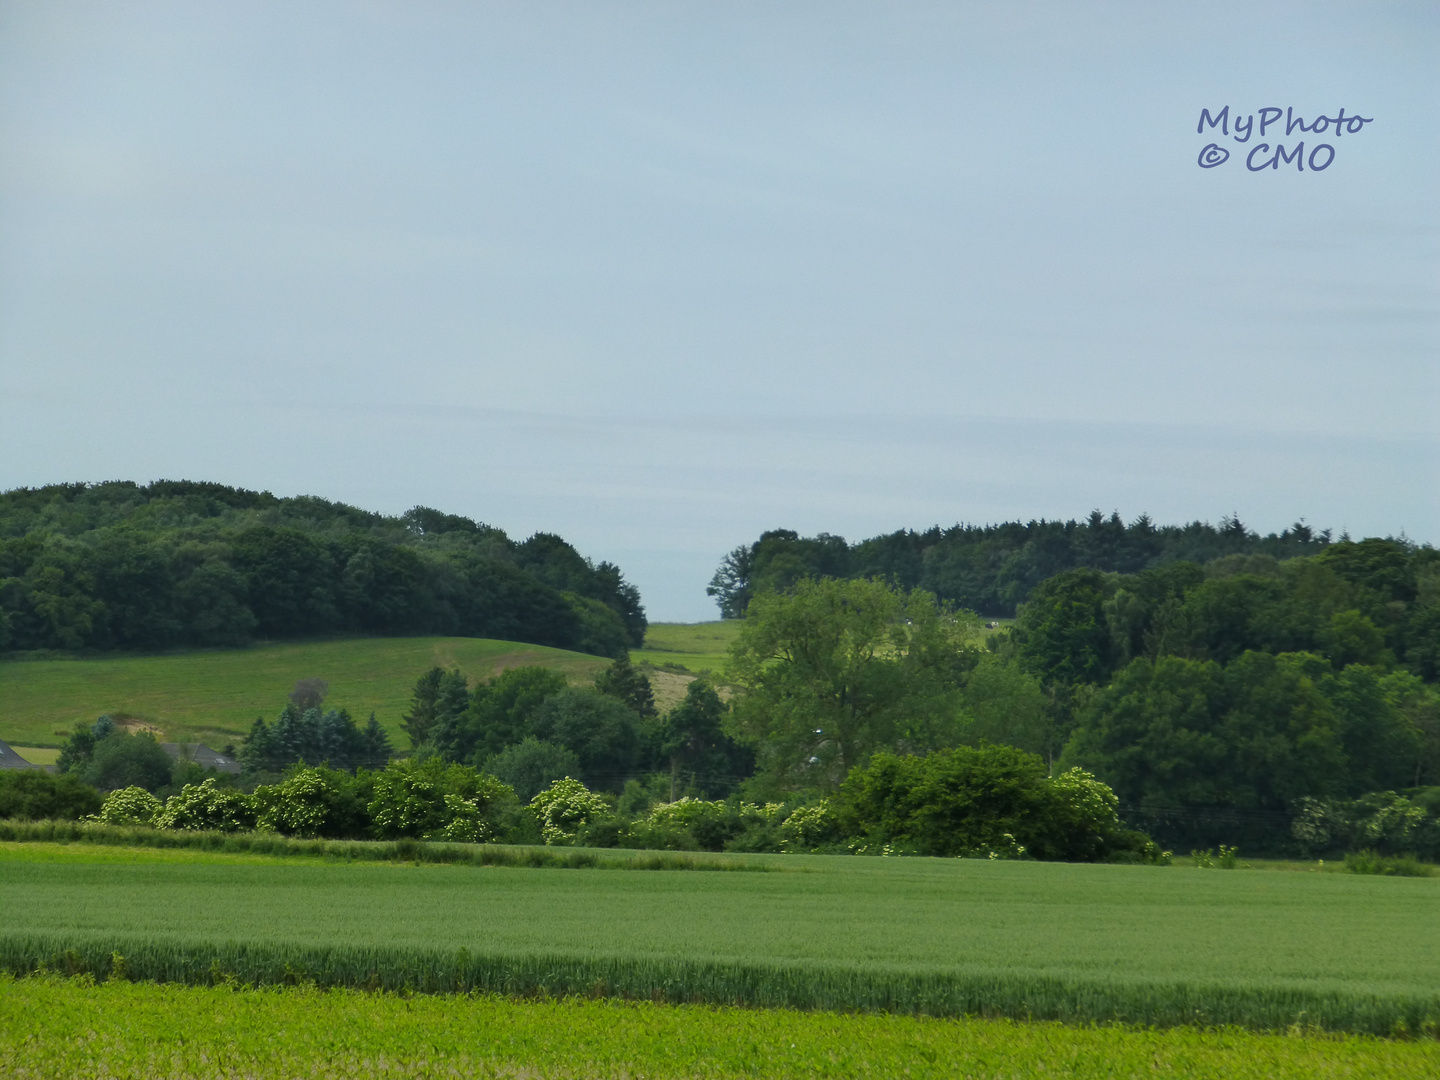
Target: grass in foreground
point(945, 937)
point(213, 696)
point(62, 1028)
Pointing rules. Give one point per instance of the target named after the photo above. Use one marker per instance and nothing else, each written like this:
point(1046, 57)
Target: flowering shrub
point(406, 803)
point(467, 824)
point(301, 805)
point(129, 806)
point(204, 806)
point(565, 806)
point(808, 827)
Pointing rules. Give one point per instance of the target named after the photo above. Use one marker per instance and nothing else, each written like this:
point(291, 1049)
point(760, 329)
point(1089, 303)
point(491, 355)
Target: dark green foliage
point(602, 732)
point(1061, 633)
point(994, 799)
point(120, 760)
point(440, 697)
point(35, 795)
point(315, 738)
point(531, 765)
point(498, 715)
point(80, 744)
point(120, 565)
point(992, 568)
point(701, 757)
point(1380, 822)
point(1254, 737)
point(622, 681)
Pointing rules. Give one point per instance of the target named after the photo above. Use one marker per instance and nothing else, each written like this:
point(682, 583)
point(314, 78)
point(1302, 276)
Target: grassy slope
point(213, 696)
point(1108, 925)
point(698, 647)
point(58, 1028)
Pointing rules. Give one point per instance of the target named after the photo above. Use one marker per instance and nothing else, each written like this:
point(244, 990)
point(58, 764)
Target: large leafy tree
point(833, 670)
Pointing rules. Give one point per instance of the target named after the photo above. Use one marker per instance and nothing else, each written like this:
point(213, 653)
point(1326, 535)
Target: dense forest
point(178, 563)
point(990, 569)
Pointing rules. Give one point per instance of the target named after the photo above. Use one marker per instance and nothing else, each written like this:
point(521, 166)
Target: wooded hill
point(990, 569)
point(180, 563)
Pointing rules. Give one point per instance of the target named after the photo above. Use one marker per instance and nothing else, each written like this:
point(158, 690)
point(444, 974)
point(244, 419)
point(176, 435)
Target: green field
point(700, 648)
point(213, 696)
point(61, 1029)
point(1076, 942)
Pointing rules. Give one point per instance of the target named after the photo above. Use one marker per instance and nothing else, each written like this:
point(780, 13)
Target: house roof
point(9, 759)
point(202, 755)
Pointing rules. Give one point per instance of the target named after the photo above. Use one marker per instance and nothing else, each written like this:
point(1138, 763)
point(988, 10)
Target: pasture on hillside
point(214, 695)
point(698, 648)
point(1036, 940)
point(59, 1029)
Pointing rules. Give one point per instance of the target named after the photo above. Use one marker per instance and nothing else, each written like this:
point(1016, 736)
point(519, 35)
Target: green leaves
point(834, 670)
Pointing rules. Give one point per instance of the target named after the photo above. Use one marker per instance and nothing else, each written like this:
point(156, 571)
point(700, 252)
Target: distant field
point(58, 1029)
point(700, 648)
point(213, 696)
point(1044, 940)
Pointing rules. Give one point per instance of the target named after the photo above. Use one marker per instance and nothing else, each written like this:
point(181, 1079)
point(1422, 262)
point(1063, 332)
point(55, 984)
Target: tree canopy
point(127, 566)
point(833, 670)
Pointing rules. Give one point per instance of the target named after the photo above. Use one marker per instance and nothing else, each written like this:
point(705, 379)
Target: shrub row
point(260, 843)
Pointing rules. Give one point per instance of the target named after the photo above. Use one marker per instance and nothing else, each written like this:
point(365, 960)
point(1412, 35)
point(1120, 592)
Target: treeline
point(179, 563)
point(1226, 696)
point(990, 569)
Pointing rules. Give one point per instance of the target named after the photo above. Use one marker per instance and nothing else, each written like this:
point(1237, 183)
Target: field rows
point(1141, 945)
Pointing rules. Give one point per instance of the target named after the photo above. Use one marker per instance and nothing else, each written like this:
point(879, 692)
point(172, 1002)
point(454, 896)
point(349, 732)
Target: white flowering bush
point(565, 806)
point(297, 806)
point(406, 802)
point(808, 827)
point(205, 806)
point(467, 824)
point(129, 806)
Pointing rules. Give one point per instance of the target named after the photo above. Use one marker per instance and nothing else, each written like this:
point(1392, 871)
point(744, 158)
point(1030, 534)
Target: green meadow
point(699, 648)
point(1144, 945)
point(61, 1029)
point(213, 696)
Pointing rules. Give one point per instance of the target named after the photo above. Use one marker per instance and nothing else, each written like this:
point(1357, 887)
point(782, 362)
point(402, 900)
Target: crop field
point(1142, 945)
point(53, 1028)
point(214, 695)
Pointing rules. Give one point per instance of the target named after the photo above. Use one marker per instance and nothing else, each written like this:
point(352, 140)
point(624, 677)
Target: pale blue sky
point(659, 276)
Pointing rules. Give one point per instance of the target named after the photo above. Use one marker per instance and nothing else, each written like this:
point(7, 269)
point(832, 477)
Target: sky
point(657, 277)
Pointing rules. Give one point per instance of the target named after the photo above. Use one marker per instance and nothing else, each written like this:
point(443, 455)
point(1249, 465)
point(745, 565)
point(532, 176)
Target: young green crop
point(53, 1028)
point(951, 937)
